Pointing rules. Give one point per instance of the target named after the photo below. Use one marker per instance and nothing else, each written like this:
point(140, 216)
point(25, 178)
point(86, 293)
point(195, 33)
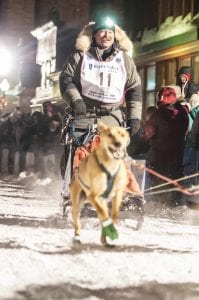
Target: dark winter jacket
point(165, 131)
point(194, 134)
point(192, 116)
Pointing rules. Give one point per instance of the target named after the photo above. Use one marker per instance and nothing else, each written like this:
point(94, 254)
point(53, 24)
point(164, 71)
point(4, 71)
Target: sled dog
point(100, 176)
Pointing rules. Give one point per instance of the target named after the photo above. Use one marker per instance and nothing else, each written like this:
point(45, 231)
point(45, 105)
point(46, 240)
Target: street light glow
point(4, 85)
point(5, 61)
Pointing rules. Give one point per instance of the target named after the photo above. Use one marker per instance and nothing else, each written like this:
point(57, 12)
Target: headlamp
point(109, 22)
point(105, 23)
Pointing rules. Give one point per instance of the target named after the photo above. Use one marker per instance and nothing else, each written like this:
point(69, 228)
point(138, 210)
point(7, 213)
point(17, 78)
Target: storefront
point(161, 53)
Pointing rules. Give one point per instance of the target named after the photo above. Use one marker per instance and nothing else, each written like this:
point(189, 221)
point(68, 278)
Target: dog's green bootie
point(76, 240)
point(109, 230)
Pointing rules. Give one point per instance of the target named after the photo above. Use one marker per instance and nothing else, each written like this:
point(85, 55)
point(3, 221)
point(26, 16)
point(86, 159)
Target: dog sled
point(78, 145)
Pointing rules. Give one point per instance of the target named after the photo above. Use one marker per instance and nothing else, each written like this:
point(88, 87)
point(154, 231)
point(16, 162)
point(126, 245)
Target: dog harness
point(110, 178)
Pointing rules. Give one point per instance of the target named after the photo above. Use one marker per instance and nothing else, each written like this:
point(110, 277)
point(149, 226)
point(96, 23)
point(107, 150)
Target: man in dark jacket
point(100, 76)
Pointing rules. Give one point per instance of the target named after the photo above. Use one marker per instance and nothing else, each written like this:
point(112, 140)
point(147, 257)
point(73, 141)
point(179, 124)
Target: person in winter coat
point(165, 131)
point(184, 81)
point(195, 135)
point(53, 116)
point(100, 75)
point(190, 152)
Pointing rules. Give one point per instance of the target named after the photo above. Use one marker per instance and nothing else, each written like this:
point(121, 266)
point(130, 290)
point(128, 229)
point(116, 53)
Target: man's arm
point(133, 96)
point(70, 84)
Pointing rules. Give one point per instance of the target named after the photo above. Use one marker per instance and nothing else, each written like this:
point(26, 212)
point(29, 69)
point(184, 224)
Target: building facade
point(17, 20)
point(170, 41)
point(164, 33)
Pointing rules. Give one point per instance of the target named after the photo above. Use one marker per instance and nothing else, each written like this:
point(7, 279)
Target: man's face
point(183, 78)
point(104, 38)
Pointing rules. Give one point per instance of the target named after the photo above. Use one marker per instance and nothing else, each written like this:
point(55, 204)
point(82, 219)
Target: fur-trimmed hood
point(84, 39)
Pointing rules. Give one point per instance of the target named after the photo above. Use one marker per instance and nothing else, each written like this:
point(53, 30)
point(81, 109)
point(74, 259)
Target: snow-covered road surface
point(39, 261)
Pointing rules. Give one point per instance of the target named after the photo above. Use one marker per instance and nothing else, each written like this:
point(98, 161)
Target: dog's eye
point(110, 135)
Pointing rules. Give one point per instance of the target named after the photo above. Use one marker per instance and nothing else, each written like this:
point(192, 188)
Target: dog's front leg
point(108, 229)
point(101, 207)
point(116, 202)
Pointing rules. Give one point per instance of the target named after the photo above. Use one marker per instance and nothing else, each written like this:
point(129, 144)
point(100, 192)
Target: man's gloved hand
point(134, 126)
point(79, 108)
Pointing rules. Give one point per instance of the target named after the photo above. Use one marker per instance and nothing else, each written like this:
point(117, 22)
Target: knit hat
point(166, 95)
point(185, 71)
point(105, 23)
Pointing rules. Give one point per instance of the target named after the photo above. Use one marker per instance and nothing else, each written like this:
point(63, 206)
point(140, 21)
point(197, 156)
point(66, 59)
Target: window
point(196, 69)
point(150, 85)
point(150, 99)
point(184, 61)
point(160, 75)
point(171, 71)
point(141, 73)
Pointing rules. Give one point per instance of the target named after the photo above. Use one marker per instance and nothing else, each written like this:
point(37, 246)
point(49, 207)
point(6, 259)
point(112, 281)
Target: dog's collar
point(110, 177)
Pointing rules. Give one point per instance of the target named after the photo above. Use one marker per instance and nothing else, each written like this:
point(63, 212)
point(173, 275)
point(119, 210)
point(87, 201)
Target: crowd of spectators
point(171, 135)
point(37, 133)
point(168, 138)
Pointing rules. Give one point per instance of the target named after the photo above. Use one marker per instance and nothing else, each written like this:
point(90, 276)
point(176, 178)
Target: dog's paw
point(76, 240)
point(107, 242)
point(109, 230)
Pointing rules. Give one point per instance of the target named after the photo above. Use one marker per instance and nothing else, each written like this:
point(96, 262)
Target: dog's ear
point(101, 126)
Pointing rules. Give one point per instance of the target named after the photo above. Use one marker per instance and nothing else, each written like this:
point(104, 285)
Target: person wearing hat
point(184, 81)
point(165, 132)
point(100, 76)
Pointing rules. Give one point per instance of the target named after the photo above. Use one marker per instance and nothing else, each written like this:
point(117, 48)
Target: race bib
point(103, 81)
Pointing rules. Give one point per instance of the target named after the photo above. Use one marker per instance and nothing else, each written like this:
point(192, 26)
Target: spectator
point(195, 133)
point(53, 116)
point(190, 151)
point(165, 131)
point(184, 81)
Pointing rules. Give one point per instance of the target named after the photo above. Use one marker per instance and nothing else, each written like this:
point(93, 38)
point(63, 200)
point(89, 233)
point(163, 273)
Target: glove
point(134, 126)
point(79, 108)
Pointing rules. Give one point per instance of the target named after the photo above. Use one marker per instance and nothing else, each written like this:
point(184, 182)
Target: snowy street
point(39, 261)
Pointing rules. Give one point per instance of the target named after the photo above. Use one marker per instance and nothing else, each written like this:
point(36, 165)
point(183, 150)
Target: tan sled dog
point(101, 175)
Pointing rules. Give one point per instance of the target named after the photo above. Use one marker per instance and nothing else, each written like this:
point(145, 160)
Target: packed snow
point(39, 261)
